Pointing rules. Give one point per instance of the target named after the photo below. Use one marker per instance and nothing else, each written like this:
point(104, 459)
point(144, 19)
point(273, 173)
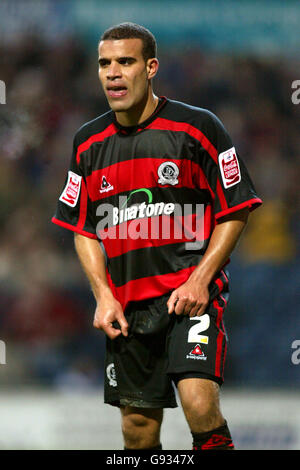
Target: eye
point(103, 62)
point(126, 60)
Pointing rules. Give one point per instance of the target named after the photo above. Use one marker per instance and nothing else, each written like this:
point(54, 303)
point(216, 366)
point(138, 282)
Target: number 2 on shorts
point(201, 325)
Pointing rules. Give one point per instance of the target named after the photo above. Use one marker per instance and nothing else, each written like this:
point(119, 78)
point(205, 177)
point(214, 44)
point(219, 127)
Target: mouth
point(116, 91)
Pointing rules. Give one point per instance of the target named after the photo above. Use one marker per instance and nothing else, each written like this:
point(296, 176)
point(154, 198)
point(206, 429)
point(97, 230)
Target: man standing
point(160, 297)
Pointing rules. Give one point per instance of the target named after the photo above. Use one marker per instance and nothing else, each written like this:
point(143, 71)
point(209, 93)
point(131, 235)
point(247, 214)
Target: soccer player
point(139, 173)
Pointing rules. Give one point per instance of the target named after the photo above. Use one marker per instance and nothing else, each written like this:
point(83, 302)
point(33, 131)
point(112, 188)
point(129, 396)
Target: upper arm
point(241, 215)
point(75, 209)
point(225, 173)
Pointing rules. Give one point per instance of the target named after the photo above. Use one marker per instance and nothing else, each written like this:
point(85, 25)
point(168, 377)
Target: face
point(124, 74)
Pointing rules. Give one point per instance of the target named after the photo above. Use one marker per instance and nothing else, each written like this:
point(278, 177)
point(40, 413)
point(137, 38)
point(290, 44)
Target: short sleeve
point(225, 173)
point(74, 207)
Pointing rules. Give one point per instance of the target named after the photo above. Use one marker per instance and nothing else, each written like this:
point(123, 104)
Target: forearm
point(192, 297)
point(108, 308)
point(223, 241)
point(92, 260)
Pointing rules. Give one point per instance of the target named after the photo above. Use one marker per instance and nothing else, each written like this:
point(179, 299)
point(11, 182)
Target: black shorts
point(161, 349)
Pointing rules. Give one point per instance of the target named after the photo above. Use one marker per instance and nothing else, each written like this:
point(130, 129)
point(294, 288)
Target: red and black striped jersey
point(152, 195)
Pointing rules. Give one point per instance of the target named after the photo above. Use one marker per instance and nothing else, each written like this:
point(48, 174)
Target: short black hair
point(131, 31)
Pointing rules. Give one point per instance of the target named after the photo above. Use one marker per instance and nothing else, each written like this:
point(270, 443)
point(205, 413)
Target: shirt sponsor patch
point(71, 192)
point(229, 167)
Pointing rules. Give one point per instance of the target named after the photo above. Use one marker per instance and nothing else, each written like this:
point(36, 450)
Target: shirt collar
point(128, 130)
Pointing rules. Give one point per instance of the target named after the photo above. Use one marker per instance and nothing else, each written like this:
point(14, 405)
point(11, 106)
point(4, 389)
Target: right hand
point(107, 312)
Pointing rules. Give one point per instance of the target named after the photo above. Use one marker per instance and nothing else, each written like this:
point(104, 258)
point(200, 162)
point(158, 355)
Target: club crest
point(168, 173)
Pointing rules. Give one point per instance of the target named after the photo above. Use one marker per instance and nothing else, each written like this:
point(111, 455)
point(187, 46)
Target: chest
point(145, 160)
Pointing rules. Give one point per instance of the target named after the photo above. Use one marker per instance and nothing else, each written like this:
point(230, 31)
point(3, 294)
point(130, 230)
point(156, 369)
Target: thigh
point(197, 346)
point(136, 366)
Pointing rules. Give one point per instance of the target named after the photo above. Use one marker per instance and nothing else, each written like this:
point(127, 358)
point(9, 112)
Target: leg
point(141, 427)
point(200, 403)
point(201, 406)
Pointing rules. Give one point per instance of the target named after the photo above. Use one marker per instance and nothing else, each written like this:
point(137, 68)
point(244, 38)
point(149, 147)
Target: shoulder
point(93, 127)
point(193, 117)
point(184, 112)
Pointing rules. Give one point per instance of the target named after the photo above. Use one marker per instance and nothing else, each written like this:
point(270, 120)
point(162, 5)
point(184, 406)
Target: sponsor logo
point(105, 185)
point(111, 375)
point(197, 353)
point(72, 189)
point(229, 167)
point(138, 211)
point(168, 173)
point(141, 211)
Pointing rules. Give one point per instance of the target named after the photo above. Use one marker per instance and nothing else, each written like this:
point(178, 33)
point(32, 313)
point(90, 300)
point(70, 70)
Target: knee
point(200, 406)
point(141, 429)
point(135, 423)
point(200, 403)
point(203, 415)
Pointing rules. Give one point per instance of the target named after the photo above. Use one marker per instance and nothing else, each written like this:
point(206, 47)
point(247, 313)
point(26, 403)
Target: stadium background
point(237, 59)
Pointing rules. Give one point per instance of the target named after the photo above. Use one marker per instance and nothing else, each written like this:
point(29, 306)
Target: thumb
point(123, 324)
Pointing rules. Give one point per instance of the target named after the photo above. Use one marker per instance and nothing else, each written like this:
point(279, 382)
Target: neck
point(138, 113)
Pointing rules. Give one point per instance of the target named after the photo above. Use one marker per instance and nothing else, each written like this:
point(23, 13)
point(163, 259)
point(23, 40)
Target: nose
point(113, 71)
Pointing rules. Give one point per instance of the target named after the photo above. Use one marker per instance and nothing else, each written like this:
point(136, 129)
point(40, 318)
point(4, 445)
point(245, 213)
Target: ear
point(152, 67)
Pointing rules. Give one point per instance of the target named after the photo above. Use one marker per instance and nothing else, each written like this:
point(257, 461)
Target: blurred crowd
point(46, 306)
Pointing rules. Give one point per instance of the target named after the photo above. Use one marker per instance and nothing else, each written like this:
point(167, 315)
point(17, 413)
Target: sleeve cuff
point(73, 228)
point(251, 204)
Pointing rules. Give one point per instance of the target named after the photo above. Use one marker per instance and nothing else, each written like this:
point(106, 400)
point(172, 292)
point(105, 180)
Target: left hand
point(191, 298)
